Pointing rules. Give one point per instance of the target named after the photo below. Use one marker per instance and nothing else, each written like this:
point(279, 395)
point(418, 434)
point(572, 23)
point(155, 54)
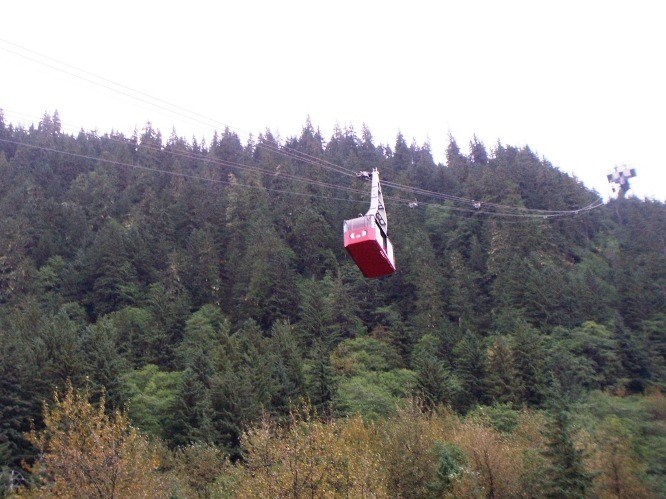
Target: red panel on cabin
point(368, 253)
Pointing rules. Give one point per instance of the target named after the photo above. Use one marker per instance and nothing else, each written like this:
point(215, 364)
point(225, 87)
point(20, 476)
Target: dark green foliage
point(202, 264)
point(104, 363)
point(477, 152)
point(655, 340)
point(246, 384)
point(632, 351)
point(501, 417)
point(366, 354)
point(528, 357)
point(136, 334)
point(169, 304)
point(315, 310)
point(469, 360)
point(151, 394)
point(585, 357)
point(205, 339)
point(204, 304)
point(15, 410)
point(320, 378)
point(500, 383)
point(370, 381)
point(450, 462)
point(286, 362)
point(434, 381)
point(111, 279)
point(190, 414)
point(566, 474)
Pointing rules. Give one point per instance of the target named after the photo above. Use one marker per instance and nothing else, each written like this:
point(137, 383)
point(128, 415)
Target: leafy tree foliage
point(207, 306)
point(85, 451)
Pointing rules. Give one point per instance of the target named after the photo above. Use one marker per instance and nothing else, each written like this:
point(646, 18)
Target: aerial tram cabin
point(366, 238)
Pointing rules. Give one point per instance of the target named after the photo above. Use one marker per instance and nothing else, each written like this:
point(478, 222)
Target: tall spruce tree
point(566, 473)
point(469, 361)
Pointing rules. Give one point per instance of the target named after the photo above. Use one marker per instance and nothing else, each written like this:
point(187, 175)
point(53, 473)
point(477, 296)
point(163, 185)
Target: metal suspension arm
point(377, 207)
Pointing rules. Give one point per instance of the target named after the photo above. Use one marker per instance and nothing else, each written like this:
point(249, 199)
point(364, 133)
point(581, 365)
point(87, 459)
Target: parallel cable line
point(209, 159)
point(167, 106)
point(275, 148)
point(282, 191)
point(172, 173)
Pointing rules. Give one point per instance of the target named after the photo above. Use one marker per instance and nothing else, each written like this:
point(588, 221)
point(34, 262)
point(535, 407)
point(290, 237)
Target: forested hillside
point(216, 305)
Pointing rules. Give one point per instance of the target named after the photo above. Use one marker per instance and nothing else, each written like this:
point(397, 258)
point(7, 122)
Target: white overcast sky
point(583, 83)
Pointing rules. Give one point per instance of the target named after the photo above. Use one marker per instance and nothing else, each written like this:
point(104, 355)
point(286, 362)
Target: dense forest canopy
point(151, 274)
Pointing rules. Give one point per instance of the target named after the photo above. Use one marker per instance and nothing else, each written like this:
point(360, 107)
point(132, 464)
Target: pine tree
point(206, 336)
point(111, 280)
point(16, 409)
point(631, 353)
point(202, 264)
point(566, 474)
point(286, 364)
point(235, 405)
point(169, 303)
point(320, 378)
point(104, 365)
point(463, 291)
point(315, 310)
point(528, 357)
point(402, 155)
point(469, 360)
point(499, 382)
point(454, 158)
point(434, 382)
point(477, 152)
point(191, 412)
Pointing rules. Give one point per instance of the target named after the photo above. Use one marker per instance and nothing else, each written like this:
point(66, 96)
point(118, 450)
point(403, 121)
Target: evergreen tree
point(315, 310)
point(477, 152)
point(104, 364)
point(469, 360)
point(463, 291)
point(454, 158)
point(169, 304)
point(632, 356)
point(137, 336)
point(500, 379)
point(191, 412)
point(16, 409)
point(205, 340)
point(528, 359)
point(434, 382)
point(109, 278)
point(321, 384)
point(203, 267)
point(286, 363)
point(567, 476)
point(402, 154)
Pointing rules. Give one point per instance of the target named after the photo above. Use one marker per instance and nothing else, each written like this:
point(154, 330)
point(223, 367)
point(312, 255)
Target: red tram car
point(366, 239)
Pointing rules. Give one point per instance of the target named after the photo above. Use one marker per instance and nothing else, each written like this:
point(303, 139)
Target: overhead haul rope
point(172, 173)
point(269, 189)
point(172, 108)
point(221, 162)
point(226, 163)
point(284, 151)
point(563, 214)
point(457, 199)
point(211, 160)
point(241, 166)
